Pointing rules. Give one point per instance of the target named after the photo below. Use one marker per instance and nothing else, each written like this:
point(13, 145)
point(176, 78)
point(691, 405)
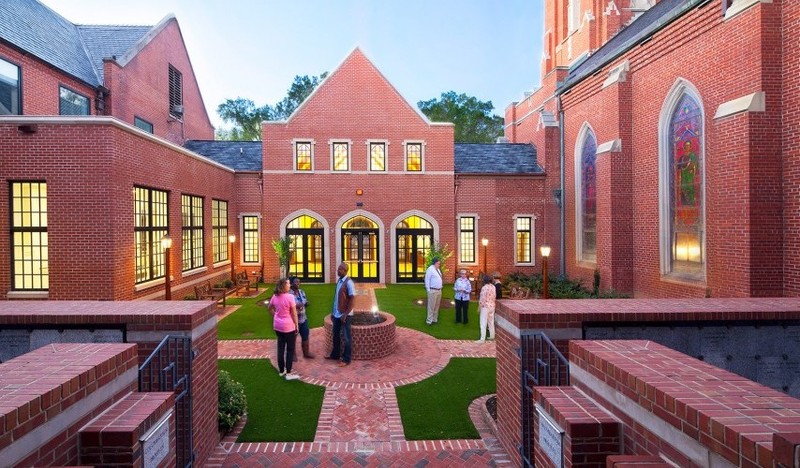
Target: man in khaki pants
point(433, 284)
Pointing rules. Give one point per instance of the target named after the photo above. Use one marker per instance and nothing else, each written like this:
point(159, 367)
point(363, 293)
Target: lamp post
point(232, 239)
point(545, 251)
point(484, 243)
point(166, 244)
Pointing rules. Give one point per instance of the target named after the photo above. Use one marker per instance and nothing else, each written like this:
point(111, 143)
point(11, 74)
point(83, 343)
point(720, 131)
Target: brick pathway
point(360, 424)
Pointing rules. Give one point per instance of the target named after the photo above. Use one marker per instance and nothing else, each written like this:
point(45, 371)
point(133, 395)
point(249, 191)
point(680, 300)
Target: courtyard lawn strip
point(277, 410)
point(402, 301)
point(254, 322)
point(437, 408)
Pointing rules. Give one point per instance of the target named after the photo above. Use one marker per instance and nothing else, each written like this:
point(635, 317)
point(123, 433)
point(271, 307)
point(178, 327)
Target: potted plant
point(283, 249)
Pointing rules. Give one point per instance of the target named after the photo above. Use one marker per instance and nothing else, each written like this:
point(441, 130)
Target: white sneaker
point(480, 341)
point(282, 373)
point(292, 376)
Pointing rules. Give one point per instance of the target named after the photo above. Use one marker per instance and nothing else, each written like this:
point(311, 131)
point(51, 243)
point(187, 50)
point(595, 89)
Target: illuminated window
point(307, 251)
point(522, 226)
point(587, 194)
point(466, 243)
point(414, 157)
point(219, 229)
point(150, 218)
point(192, 217)
point(251, 244)
point(303, 156)
point(10, 102)
point(377, 157)
point(29, 257)
point(341, 156)
point(72, 103)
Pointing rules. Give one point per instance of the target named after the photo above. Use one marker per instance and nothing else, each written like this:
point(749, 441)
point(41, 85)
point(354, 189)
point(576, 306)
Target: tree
point(473, 119)
point(246, 117)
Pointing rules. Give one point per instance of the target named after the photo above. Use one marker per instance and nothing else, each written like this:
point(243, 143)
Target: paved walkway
point(360, 421)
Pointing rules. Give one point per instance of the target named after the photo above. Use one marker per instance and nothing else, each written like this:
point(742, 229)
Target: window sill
point(586, 264)
point(193, 272)
point(529, 264)
point(741, 5)
point(685, 279)
point(28, 295)
point(221, 264)
point(149, 284)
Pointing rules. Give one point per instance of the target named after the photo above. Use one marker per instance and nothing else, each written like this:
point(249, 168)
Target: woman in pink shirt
point(284, 313)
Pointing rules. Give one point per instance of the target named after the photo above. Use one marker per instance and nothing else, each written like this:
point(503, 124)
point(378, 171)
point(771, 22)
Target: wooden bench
point(242, 281)
point(206, 291)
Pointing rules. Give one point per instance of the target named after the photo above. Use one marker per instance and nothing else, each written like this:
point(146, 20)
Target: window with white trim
point(377, 156)
point(466, 239)
point(586, 194)
point(251, 239)
point(414, 157)
point(192, 232)
point(29, 242)
point(303, 156)
point(523, 246)
point(219, 229)
point(340, 156)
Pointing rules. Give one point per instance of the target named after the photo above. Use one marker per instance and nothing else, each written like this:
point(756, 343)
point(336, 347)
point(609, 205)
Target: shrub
point(232, 401)
point(189, 297)
point(562, 287)
point(228, 284)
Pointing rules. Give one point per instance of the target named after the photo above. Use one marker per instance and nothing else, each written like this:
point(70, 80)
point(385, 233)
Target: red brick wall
point(41, 82)
point(790, 95)
point(91, 168)
point(141, 88)
point(356, 103)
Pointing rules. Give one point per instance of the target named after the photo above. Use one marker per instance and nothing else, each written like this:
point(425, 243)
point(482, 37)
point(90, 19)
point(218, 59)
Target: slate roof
point(76, 50)
point(642, 27)
point(238, 155)
point(496, 158)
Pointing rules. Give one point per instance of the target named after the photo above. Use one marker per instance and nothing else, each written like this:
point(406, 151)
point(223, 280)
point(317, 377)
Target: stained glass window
point(302, 158)
point(377, 157)
point(414, 157)
point(341, 157)
point(686, 186)
point(589, 199)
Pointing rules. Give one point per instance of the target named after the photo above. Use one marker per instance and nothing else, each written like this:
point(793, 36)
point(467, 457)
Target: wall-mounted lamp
point(359, 192)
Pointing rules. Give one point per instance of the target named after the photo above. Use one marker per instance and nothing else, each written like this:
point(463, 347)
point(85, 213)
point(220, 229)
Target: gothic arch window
point(586, 194)
point(682, 184)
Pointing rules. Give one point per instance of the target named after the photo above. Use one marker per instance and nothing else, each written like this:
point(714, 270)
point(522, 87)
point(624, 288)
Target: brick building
point(667, 130)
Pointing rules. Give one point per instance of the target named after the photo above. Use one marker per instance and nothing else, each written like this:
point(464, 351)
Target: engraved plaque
point(551, 438)
point(791, 340)
point(746, 367)
point(770, 372)
point(713, 341)
point(155, 444)
point(13, 343)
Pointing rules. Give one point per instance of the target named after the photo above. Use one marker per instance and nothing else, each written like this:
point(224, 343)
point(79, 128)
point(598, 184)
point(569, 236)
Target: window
point(219, 229)
point(685, 182)
point(29, 257)
point(303, 156)
point(192, 233)
point(573, 15)
point(10, 102)
point(250, 239)
point(143, 124)
point(414, 157)
point(341, 156)
point(175, 93)
point(72, 103)
point(466, 239)
point(151, 223)
point(587, 194)
point(377, 157)
point(524, 239)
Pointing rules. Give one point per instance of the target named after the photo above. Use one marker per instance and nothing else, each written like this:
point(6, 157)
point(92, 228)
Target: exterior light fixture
point(545, 251)
point(166, 244)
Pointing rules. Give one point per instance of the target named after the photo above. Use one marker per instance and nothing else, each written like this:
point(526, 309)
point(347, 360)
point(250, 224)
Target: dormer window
point(175, 93)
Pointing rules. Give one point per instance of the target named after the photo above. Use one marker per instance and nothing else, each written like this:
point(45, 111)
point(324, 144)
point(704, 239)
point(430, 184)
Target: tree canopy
point(246, 117)
point(473, 119)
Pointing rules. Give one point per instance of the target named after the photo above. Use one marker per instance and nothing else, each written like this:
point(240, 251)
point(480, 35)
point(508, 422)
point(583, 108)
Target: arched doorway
point(307, 254)
point(414, 239)
point(360, 236)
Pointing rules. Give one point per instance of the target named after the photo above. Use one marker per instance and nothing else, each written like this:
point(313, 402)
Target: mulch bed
point(491, 407)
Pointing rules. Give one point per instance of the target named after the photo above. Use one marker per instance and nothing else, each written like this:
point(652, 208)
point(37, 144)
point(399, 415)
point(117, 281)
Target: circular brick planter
point(369, 341)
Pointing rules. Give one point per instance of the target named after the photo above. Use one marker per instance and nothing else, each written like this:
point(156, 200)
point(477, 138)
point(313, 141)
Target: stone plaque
point(155, 444)
point(791, 340)
point(713, 341)
point(13, 343)
point(771, 372)
point(551, 438)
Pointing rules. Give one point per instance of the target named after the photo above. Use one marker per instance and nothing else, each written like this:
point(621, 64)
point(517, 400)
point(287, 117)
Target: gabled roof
point(496, 158)
point(244, 156)
point(647, 24)
point(76, 50)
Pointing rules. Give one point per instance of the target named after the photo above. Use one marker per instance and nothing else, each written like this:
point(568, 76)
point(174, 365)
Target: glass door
point(414, 239)
point(360, 244)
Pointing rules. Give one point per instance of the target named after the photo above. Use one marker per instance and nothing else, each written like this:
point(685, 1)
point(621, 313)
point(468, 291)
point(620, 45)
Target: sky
point(490, 49)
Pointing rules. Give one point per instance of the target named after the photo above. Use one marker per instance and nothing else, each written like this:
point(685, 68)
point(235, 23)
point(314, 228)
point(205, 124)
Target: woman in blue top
point(301, 302)
point(462, 288)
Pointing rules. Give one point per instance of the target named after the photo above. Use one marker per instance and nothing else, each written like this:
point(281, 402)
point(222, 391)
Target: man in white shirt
point(433, 284)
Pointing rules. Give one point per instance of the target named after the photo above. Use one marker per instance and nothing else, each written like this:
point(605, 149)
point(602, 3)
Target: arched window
point(589, 198)
point(682, 184)
point(686, 179)
point(307, 251)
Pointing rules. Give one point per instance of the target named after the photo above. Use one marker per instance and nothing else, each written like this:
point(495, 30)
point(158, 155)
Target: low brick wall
point(369, 341)
point(682, 408)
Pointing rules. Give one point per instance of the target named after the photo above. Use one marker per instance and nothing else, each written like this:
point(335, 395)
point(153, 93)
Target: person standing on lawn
point(301, 302)
point(433, 285)
point(341, 317)
point(284, 321)
point(486, 304)
point(462, 288)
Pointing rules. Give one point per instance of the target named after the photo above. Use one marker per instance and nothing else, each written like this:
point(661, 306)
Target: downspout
point(562, 245)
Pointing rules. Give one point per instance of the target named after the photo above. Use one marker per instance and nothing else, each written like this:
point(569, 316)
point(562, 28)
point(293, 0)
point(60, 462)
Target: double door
point(412, 247)
point(360, 253)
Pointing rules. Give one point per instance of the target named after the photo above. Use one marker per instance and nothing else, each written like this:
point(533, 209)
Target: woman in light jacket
point(486, 304)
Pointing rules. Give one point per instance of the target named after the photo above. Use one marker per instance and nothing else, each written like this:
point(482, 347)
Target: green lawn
point(437, 407)
point(277, 410)
point(403, 301)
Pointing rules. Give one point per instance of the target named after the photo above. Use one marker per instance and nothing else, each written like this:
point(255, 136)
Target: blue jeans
point(304, 331)
point(342, 335)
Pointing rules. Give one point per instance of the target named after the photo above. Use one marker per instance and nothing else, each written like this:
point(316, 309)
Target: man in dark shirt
point(498, 285)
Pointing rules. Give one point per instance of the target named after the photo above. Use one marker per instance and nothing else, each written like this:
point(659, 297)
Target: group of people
point(491, 290)
point(288, 307)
